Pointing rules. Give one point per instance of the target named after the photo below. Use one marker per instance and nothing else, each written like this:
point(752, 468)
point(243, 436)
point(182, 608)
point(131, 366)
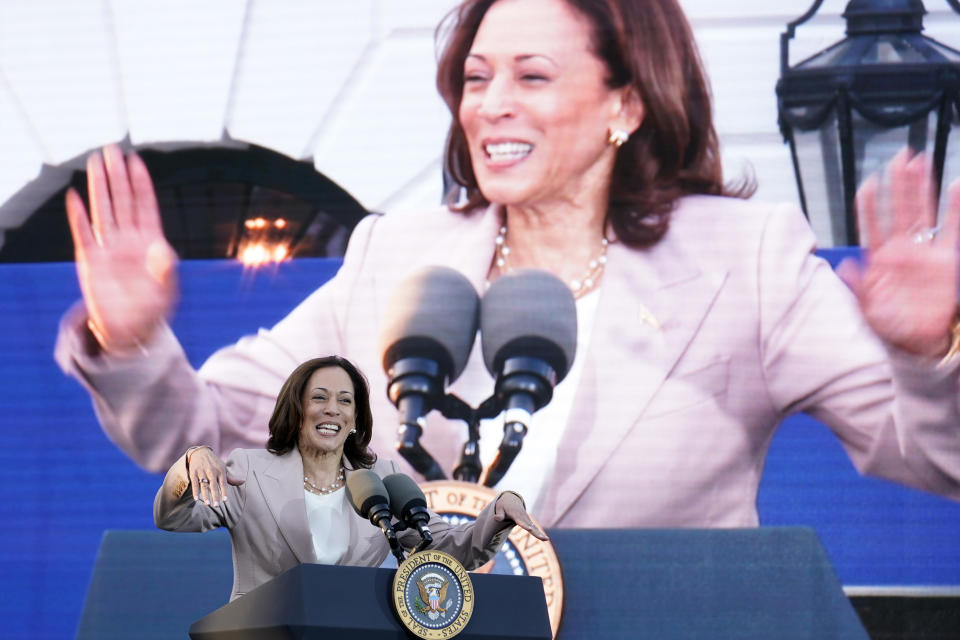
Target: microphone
point(528, 329)
point(370, 500)
point(427, 333)
point(409, 506)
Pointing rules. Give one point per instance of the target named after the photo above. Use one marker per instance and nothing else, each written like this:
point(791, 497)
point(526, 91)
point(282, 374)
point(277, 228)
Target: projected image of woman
point(581, 144)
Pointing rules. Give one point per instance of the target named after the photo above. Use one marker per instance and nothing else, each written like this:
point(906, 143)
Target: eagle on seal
point(433, 590)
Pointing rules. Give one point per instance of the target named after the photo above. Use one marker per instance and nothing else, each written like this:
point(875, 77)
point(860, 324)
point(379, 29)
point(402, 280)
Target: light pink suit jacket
point(672, 419)
point(267, 520)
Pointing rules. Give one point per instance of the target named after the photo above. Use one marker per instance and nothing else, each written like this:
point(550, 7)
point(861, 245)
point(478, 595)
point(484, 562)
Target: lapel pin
point(648, 318)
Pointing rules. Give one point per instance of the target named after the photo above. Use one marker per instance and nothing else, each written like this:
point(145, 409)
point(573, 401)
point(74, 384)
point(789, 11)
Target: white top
point(329, 527)
point(537, 458)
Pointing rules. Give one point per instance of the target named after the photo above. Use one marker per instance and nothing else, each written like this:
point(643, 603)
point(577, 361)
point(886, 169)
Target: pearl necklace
point(322, 491)
point(579, 286)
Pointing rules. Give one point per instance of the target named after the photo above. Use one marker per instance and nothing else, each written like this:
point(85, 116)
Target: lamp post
point(846, 110)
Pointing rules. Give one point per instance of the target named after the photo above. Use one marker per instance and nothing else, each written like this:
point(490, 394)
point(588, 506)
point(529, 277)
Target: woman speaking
point(286, 504)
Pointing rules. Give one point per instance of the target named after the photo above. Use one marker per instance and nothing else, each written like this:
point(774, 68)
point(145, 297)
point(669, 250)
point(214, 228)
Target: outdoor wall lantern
point(846, 110)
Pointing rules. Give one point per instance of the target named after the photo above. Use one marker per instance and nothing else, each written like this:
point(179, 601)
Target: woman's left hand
point(510, 507)
point(907, 283)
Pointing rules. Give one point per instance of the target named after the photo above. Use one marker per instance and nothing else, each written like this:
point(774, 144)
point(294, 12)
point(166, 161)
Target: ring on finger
point(204, 481)
point(925, 235)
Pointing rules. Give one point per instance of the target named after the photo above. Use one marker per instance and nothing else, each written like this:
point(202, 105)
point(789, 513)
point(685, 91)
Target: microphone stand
point(469, 468)
point(532, 378)
point(395, 548)
point(414, 380)
point(524, 385)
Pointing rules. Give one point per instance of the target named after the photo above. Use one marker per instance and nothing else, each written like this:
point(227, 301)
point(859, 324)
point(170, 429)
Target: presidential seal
point(521, 554)
point(433, 595)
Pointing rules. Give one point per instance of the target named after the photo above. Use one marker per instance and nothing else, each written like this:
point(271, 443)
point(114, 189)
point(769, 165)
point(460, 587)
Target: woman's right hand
point(126, 267)
point(208, 476)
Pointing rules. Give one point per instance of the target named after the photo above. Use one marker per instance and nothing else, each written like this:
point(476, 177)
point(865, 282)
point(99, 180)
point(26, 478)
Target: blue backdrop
point(63, 483)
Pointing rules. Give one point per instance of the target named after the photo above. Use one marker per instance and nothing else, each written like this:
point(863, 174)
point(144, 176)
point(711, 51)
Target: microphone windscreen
point(432, 313)
point(404, 493)
point(529, 312)
point(364, 490)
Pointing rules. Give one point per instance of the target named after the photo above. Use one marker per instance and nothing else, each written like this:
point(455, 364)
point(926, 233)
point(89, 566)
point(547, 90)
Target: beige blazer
point(267, 520)
point(672, 418)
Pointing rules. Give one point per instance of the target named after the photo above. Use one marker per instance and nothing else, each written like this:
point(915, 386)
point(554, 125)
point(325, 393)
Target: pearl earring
point(617, 137)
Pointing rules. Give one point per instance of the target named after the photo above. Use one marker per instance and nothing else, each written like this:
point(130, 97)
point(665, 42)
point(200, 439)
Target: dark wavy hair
point(646, 45)
point(288, 413)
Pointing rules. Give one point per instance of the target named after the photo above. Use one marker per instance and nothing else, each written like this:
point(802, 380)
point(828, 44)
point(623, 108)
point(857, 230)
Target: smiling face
point(536, 110)
point(329, 411)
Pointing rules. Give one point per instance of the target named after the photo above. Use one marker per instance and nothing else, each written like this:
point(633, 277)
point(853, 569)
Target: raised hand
point(509, 506)
point(907, 283)
point(208, 476)
point(126, 267)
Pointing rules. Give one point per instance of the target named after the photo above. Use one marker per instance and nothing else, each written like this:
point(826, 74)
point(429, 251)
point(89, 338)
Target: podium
point(323, 601)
